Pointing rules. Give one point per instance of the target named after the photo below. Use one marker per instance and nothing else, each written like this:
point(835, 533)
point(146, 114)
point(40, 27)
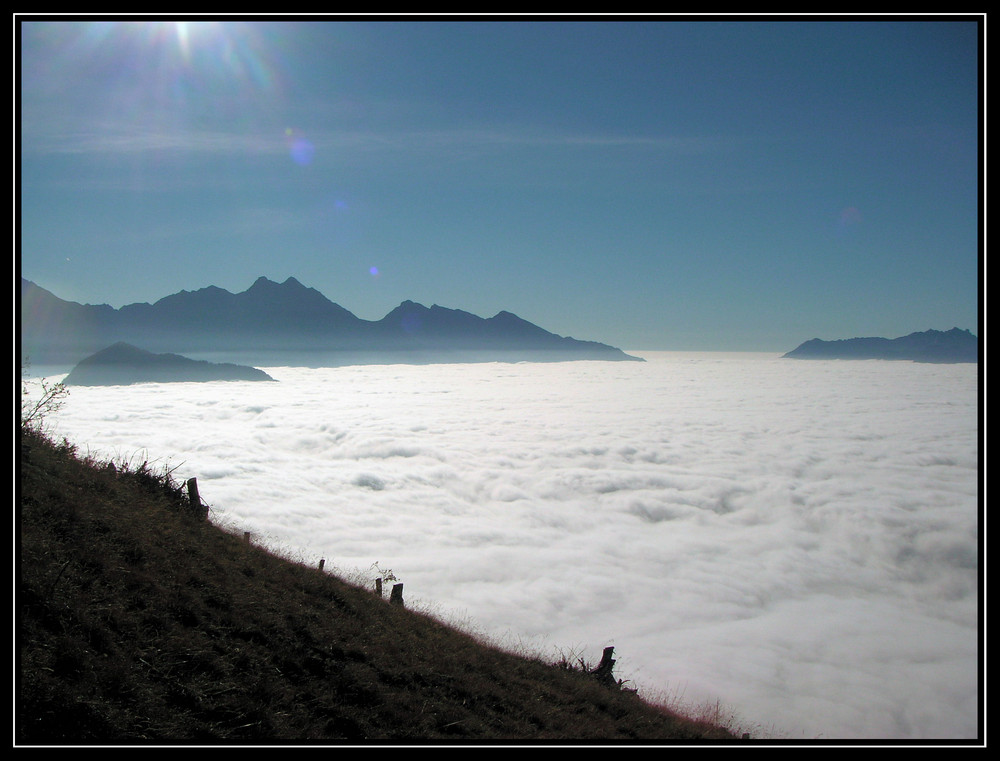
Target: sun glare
point(185, 30)
point(204, 58)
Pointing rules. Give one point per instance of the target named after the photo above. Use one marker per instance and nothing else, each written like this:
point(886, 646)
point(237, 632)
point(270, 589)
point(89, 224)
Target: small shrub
point(35, 406)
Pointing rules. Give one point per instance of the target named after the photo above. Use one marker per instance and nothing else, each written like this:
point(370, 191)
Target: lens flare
point(299, 148)
point(180, 67)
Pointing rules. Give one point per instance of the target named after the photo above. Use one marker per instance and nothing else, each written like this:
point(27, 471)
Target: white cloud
point(795, 539)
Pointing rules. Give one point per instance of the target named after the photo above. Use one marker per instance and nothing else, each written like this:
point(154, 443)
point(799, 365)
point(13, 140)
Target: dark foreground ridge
point(287, 323)
point(929, 346)
point(142, 622)
point(124, 364)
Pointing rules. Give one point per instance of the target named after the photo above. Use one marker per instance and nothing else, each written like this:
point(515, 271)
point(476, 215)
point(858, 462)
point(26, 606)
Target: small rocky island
point(943, 346)
point(123, 364)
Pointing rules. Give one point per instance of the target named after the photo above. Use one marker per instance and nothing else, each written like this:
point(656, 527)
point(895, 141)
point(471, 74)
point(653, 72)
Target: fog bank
point(796, 539)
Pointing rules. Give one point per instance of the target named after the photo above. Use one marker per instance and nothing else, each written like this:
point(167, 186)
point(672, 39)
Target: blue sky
point(653, 183)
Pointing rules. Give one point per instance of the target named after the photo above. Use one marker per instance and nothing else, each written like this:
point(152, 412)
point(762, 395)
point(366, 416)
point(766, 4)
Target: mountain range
point(953, 345)
point(274, 322)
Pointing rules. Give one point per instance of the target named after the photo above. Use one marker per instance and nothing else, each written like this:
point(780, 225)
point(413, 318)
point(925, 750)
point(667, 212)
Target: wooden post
point(603, 671)
point(396, 596)
point(192, 485)
point(378, 586)
point(322, 562)
point(246, 536)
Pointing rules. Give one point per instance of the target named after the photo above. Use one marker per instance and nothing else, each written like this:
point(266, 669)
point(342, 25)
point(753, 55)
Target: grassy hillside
point(140, 621)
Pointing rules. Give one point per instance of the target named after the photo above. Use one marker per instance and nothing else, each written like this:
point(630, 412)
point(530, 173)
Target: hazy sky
point(653, 183)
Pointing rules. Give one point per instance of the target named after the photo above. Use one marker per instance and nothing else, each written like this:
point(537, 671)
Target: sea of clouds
point(794, 541)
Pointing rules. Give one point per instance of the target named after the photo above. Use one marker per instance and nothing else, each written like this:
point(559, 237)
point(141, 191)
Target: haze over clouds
point(798, 540)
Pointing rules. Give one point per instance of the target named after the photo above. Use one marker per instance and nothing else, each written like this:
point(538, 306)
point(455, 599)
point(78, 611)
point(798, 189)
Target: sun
point(175, 37)
point(189, 33)
point(220, 56)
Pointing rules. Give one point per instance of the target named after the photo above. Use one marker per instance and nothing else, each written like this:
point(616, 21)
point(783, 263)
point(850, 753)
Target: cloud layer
point(798, 540)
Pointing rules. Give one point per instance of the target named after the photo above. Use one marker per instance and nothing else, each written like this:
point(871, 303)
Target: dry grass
point(140, 622)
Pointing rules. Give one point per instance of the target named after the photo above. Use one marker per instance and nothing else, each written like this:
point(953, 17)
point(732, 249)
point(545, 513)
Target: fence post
point(192, 485)
point(603, 671)
point(396, 596)
point(322, 562)
point(378, 586)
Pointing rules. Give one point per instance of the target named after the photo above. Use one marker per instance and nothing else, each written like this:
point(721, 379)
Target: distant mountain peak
point(266, 282)
point(273, 317)
point(942, 346)
point(263, 283)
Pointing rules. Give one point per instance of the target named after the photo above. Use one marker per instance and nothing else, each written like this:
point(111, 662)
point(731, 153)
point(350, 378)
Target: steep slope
point(141, 622)
point(54, 330)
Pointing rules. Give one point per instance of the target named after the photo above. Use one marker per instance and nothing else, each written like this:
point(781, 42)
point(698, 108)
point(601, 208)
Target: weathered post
point(192, 485)
point(603, 671)
point(378, 586)
point(396, 596)
point(246, 536)
point(322, 562)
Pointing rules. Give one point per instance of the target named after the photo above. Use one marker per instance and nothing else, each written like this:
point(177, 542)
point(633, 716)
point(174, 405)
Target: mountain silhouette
point(266, 307)
point(271, 322)
point(123, 364)
point(929, 346)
